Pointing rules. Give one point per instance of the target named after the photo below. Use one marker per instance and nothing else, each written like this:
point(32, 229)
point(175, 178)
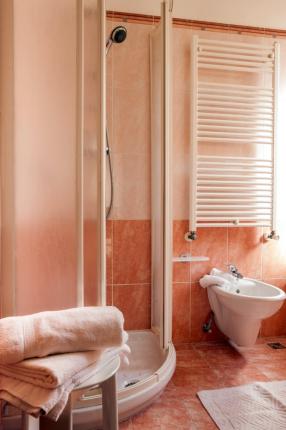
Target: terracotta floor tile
point(126, 425)
point(147, 418)
point(190, 358)
point(200, 419)
point(206, 366)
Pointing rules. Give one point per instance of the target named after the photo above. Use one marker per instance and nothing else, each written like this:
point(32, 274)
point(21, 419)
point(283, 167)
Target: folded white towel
point(42, 385)
point(223, 279)
point(209, 280)
point(51, 371)
point(69, 330)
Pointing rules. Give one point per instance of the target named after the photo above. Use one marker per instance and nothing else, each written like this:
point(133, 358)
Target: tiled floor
point(208, 366)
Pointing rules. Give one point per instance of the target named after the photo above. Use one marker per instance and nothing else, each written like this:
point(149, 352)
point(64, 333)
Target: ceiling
point(258, 13)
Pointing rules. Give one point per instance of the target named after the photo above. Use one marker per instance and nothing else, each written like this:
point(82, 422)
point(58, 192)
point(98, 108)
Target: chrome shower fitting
point(272, 235)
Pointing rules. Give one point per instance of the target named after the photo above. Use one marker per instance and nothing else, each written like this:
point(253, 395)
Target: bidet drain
point(131, 382)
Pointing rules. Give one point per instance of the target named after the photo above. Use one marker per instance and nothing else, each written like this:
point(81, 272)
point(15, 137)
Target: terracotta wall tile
point(181, 271)
point(109, 251)
point(274, 259)
point(131, 252)
point(181, 312)
point(212, 243)
point(135, 303)
point(90, 275)
point(275, 325)
point(109, 295)
point(245, 250)
point(200, 312)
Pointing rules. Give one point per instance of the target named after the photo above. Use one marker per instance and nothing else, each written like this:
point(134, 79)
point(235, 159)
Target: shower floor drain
point(130, 383)
point(276, 345)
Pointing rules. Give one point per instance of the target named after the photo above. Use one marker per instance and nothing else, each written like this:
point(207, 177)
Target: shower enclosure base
point(139, 383)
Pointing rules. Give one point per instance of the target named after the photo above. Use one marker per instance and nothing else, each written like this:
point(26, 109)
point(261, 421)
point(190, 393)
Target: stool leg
point(109, 404)
point(29, 422)
point(64, 422)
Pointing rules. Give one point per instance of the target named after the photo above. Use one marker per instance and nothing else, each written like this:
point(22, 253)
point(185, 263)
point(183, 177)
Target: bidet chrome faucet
point(234, 271)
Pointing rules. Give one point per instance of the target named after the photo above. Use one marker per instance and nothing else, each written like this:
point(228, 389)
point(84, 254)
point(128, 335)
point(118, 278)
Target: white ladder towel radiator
point(233, 134)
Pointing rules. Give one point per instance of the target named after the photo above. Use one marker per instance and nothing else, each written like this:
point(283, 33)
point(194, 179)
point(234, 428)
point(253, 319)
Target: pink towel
point(69, 330)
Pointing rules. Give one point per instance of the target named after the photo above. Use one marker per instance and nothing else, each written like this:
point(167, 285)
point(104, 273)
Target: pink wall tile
point(45, 267)
point(135, 303)
point(131, 252)
point(128, 114)
point(132, 186)
point(128, 259)
point(245, 250)
point(181, 312)
point(212, 243)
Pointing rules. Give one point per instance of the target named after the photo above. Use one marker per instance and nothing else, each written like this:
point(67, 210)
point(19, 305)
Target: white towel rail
point(232, 190)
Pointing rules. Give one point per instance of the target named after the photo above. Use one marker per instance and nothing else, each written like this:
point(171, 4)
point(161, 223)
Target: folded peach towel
point(37, 397)
point(52, 332)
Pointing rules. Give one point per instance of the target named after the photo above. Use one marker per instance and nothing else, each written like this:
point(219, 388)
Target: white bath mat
point(258, 406)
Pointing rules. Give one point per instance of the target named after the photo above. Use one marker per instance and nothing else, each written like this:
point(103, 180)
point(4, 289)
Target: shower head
point(118, 35)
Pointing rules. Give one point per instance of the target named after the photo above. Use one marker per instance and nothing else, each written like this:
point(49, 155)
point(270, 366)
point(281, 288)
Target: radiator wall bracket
point(190, 236)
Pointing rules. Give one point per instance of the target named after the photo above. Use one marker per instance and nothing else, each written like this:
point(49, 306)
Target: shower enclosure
point(138, 239)
point(58, 93)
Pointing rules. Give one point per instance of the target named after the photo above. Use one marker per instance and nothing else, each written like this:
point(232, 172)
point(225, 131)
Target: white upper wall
point(258, 13)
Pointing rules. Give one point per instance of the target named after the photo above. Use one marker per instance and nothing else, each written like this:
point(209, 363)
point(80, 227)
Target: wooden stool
point(106, 380)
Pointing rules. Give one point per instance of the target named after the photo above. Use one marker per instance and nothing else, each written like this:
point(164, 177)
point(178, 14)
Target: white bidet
point(240, 307)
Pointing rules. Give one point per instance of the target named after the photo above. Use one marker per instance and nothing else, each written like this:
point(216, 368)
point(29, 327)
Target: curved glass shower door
point(138, 229)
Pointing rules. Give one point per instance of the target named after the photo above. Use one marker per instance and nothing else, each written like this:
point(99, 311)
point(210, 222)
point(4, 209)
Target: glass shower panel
point(45, 148)
point(160, 60)
point(93, 152)
point(156, 67)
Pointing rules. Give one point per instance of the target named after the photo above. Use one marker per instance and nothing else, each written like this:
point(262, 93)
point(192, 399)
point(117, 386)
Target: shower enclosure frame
point(165, 311)
point(132, 399)
point(100, 216)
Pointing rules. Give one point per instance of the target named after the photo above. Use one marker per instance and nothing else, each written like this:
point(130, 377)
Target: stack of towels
point(45, 355)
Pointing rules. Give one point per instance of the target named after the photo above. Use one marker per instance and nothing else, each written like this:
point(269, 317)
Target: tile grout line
point(112, 242)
